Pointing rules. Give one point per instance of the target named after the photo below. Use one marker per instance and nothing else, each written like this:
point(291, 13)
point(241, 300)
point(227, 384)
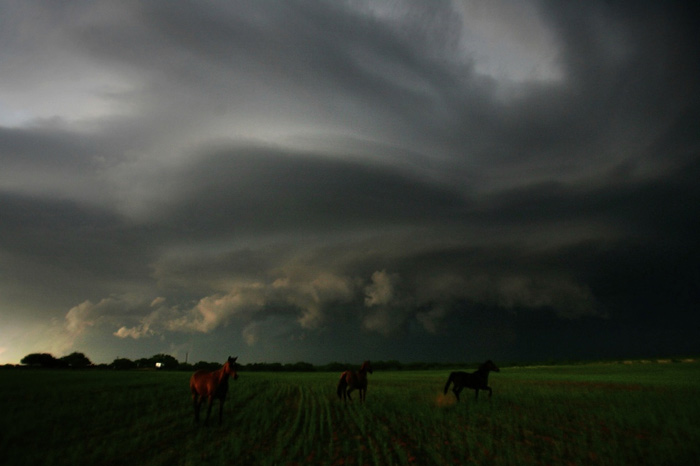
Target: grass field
point(587, 414)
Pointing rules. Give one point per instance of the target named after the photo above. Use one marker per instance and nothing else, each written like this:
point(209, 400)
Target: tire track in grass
point(312, 425)
point(395, 443)
point(354, 415)
point(288, 445)
point(313, 437)
point(260, 415)
point(326, 421)
point(367, 437)
point(273, 419)
point(345, 432)
point(317, 433)
point(397, 438)
point(304, 435)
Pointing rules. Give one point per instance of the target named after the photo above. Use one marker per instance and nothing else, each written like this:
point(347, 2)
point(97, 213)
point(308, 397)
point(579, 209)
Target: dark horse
point(478, 380)
point(212, 385)
point(351, 380)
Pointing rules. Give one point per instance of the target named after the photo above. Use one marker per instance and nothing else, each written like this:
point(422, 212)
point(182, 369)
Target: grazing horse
point(351, 380)
point(478, 380)
point(212, 385)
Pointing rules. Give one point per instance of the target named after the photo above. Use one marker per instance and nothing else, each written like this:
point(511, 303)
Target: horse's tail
point(342, 384)
point(449, 381)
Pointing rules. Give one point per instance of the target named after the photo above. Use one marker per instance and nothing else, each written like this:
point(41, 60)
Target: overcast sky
point(335, 180)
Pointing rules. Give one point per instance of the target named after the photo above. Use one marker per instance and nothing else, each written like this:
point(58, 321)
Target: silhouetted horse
point(212, 385)
point(478, 380)
point(351, 380)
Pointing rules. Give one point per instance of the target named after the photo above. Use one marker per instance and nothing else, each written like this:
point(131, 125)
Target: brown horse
point(212, 385)
point(351, 380)
point(478, 380)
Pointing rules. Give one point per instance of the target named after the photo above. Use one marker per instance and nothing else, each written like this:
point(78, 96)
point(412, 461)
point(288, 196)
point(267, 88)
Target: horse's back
point(357, 380)
point(197, 376)
point(475, 380)
point(462, 378)
point(203, 383)
point(353, 378)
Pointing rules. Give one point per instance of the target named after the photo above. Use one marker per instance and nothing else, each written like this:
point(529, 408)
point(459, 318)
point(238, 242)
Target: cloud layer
point(454, 181)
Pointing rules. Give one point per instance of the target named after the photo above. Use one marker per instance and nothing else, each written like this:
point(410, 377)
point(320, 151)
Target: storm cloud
point(326, 180)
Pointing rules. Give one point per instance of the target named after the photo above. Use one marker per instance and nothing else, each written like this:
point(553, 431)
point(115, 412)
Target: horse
point(351, 380)
point(212, 385)
point(478, 380)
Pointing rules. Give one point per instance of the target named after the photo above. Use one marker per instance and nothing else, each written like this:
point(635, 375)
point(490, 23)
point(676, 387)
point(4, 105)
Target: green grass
point(587, 414)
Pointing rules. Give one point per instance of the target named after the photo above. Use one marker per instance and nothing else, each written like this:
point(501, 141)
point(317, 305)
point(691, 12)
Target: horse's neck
point(221, 375)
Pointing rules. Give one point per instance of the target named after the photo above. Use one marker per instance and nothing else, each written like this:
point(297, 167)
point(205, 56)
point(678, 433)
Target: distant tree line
point(167, 362)
point(74, 360)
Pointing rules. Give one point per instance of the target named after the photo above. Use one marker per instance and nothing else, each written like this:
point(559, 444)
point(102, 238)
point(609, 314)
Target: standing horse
point(351, 380)
point(212, 385)
point(478, 380)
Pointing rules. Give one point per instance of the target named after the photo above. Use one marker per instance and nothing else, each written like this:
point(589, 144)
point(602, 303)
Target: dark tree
point(300, 366)
point(76, 360)
point(206, 366)
point(40, 359)
point(335, 367)
point(185, 366)
point(123, 364)
point(144, 362)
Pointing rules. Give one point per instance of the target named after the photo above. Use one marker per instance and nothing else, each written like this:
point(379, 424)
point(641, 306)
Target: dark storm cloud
point(216, 51)
point(627, 76)
point(270, 191)
point(55, 249)
point(180, 173)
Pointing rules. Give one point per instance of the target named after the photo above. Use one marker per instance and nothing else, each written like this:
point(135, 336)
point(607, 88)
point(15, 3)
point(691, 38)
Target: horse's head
point(490, 366)
point(230, 367)
point(366, 366)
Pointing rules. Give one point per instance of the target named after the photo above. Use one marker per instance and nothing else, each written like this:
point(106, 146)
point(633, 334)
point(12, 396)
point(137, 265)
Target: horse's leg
point(350, 389)
point(196, 402)
point(221, 409)
point(490, 391)
point(456, 390)
point(209, 405)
